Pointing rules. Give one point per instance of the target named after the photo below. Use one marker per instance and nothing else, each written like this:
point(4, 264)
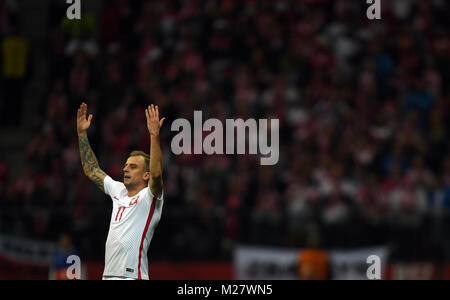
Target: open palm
point(83, 123)
point(153, 122)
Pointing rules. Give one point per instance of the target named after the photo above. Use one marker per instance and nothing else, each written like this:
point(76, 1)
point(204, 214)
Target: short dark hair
point(146, 158)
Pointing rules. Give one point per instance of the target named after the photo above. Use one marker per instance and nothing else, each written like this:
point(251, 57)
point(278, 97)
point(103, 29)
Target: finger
point(146, 114)
point(161, 122)
point(90, 118)
point(83, 109)
point(157, 112)
point(150, 114)
point(153, 111)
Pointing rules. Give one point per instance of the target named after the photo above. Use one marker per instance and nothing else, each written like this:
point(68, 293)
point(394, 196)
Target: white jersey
point(133, 222)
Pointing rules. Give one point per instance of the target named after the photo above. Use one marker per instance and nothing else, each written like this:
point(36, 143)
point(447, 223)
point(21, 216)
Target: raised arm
point(88, 160)
point(154, 125)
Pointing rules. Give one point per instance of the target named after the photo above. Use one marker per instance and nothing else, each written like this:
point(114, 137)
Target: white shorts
point(117, 278)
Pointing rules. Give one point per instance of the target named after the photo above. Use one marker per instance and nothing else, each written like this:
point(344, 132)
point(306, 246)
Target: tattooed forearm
point(89, 161)
point(98, 178)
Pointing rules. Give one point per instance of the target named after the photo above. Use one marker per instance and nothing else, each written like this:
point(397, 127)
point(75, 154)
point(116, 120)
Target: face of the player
point(134, 173)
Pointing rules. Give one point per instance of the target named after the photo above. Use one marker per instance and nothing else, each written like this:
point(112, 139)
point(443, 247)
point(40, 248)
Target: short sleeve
point(110, 185)
point(161, 197)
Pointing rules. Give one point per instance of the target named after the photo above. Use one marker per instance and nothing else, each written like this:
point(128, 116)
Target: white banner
point(354, 265)
point(27, 251)
point(261, 263)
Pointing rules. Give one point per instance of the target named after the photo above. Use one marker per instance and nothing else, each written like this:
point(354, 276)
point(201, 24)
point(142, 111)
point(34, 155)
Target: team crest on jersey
point(134, 201)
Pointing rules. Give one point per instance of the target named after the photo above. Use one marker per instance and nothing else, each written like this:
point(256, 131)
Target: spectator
point(363, 112)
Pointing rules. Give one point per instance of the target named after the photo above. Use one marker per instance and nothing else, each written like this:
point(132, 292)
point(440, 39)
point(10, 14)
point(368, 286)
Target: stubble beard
point(129, 185)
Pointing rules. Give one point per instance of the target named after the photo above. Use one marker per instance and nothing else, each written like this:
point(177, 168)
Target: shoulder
point(112, 185)
point(148, 193)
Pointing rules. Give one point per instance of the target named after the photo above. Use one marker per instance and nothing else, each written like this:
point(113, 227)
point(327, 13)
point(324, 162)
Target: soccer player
point(137, 202)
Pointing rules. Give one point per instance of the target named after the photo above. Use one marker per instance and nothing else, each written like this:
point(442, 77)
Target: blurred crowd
point(364, 124)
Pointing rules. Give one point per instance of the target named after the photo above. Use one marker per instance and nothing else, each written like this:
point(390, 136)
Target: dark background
point(363, 108)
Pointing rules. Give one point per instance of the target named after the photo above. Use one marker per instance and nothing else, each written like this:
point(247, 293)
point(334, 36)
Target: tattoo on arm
point(98, 178)
point(89, 162)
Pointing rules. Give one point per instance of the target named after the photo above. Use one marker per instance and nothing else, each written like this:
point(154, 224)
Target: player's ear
point(146, 175)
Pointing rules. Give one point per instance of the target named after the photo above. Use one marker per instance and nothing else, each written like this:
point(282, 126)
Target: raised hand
point(83, 123)
point(154, 124)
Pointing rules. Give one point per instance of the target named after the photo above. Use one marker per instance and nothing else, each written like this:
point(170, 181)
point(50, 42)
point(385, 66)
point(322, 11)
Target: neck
point(134, 190)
